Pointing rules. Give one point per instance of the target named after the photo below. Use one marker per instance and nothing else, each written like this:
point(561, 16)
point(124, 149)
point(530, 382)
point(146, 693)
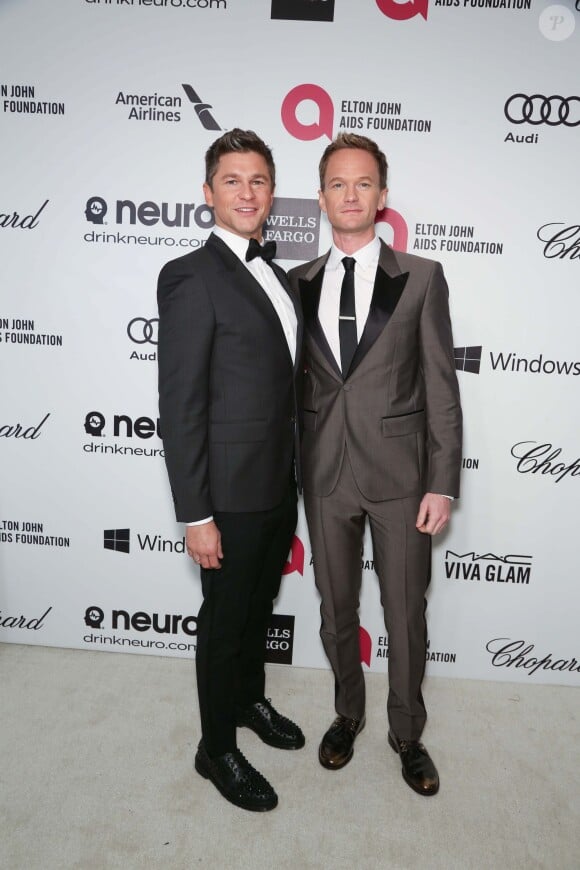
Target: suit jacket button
point(347, 387)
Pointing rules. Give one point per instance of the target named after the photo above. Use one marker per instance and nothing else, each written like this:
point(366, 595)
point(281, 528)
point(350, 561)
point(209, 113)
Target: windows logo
point(468, 359)
point(116, 539)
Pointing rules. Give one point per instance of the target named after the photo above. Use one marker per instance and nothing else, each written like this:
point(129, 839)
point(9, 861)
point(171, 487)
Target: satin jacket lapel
point(310, 289)
point(389, 285)
point(252, 288)
point(283, 279)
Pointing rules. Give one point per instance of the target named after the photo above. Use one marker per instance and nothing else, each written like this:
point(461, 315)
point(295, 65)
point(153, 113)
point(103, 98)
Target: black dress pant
point(237, 605)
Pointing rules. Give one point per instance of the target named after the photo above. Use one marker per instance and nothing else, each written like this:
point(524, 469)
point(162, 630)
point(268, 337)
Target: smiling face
point(241, 193)
point(351, 197)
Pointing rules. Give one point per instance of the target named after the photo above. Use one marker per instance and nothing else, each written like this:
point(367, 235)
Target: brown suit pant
point(402, 557)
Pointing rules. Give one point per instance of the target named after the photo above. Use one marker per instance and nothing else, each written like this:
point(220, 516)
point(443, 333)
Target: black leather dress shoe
point(418, 770)
point(270, 726)
point(236, 779)
point(337, 746)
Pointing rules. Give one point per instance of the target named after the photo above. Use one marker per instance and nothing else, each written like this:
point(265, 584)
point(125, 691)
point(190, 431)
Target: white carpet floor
point(96, 772)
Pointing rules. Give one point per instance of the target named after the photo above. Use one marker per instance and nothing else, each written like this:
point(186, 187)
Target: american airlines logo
point(201, 109)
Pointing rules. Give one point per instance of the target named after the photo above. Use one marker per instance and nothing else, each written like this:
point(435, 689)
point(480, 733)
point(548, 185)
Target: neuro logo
point(94, 424)
point(201, 109)
point(366, 645)
point(94, 617)
point(303, 10)
point(117, 539)
point(143, 331)
point(399, 226)
point(308, 132)
point(96, 209)
point(468, 359)
point(295, 561)
point(124, 426)
point(405, 10)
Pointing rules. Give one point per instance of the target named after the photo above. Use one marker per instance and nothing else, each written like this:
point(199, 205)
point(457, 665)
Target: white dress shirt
point(367, 261)
point(266, 278)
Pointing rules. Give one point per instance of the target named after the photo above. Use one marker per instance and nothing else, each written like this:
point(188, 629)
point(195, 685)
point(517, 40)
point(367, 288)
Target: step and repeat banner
point(106, 110)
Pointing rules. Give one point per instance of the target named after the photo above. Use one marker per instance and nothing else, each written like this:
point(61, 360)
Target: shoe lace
point(341, 723)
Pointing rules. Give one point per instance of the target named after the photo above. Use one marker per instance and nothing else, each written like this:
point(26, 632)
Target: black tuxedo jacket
point(227, 385)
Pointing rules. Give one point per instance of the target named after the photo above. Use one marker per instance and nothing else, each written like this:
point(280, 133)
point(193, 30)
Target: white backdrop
point(106, 110)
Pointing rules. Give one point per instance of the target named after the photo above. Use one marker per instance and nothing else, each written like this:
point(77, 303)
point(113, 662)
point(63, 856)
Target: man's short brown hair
point(240, 141)
point(352, 140)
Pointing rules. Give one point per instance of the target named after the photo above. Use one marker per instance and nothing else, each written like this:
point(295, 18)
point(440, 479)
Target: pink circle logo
point(308, 132)
point(403, 11)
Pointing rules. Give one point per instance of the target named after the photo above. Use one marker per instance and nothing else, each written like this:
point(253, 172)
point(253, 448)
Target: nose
point(351, 193)
point(246, 191)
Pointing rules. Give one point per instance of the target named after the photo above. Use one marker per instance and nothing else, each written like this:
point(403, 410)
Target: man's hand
point(434, 513)
point(204, 544)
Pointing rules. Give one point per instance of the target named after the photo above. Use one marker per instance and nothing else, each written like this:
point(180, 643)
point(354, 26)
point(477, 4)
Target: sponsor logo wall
point(102, 172)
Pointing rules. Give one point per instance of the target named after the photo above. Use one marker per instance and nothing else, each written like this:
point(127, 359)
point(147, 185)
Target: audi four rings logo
point(537, 109)
point(143, 331)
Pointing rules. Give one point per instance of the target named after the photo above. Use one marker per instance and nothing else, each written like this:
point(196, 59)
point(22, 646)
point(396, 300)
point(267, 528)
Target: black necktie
point(267, 252)
point(347, 318)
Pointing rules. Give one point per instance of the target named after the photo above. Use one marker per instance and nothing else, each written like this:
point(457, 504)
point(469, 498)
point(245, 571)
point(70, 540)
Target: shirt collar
point(365, 257)
point(237, 244)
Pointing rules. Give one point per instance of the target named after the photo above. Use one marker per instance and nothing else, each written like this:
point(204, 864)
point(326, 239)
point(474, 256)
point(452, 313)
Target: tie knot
point(267, 252)
point(348, 263)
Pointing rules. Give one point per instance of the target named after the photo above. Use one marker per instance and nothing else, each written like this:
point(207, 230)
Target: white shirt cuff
point(200, 522)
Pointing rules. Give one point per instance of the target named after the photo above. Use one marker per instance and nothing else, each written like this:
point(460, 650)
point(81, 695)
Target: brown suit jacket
point(398, 411)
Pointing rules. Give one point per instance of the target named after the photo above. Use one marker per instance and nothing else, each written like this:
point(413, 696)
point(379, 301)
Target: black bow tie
point(267, 252)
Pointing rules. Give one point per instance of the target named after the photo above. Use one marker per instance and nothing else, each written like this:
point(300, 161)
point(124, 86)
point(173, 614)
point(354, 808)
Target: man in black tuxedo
point(229, 334)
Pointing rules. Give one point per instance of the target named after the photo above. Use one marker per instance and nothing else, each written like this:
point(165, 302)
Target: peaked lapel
point(283, 279)
point(310, 290)
point(389, 285)
point(252, 288)
point(388, 288)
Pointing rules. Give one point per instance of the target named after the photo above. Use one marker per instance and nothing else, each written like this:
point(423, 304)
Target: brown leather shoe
point(337, 745)
point(418, 770)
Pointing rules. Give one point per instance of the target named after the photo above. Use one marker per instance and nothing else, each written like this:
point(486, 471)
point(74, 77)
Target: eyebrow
point(252, 177)
point(341, 178)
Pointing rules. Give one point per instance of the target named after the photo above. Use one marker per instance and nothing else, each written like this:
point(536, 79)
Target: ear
point(383, 198)
point(322, 201)
point(208, 194)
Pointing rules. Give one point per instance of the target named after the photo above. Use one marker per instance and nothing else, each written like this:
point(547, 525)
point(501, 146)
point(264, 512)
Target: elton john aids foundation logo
point(402, 11)
point(398, 225)
point(308, 93)
point(295, 561)
point(365, 645)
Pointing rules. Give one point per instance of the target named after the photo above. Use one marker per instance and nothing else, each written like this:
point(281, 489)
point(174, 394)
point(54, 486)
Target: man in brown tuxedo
point(382, 439)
